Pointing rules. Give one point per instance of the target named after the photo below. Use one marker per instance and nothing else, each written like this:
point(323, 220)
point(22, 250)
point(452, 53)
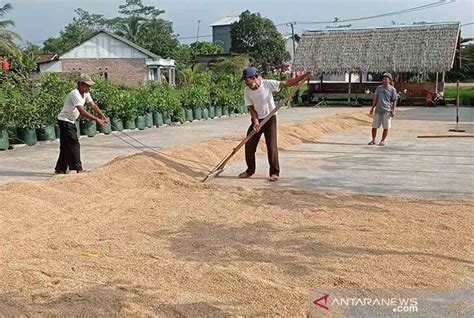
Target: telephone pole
point(197, 40)
point(197, 36)
point(292, 24)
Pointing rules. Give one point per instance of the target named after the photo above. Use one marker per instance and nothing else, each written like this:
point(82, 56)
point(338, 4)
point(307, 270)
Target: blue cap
point(387, 75)
point(248, 72)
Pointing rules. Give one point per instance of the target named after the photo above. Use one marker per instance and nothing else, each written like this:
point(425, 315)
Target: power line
point(413, 9)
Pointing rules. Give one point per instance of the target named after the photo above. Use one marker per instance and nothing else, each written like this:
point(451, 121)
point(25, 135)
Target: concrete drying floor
point(407, 165)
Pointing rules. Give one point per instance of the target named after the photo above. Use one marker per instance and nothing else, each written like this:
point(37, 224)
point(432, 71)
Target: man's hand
point(256, 125)
point(372, 110)
point(308, 74)
point(392, 113)
point(295, 81)
point(101, 122)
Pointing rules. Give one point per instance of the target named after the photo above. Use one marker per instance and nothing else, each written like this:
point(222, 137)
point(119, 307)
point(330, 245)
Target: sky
point(36, 20)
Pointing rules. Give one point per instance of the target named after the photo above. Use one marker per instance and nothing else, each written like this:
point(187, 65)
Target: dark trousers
point(270, 132)
point(69, 148)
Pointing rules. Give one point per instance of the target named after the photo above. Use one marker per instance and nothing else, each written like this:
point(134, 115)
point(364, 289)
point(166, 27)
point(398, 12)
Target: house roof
point(415, 48)
point(225, 21)
point(44, 58)
point(136, 46)
point(124, 40)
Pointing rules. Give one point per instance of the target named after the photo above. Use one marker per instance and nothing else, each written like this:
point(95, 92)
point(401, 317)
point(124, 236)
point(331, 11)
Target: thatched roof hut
point(425, 48)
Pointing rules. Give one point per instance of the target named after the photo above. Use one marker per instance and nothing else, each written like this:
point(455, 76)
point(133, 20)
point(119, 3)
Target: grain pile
point(141, 236)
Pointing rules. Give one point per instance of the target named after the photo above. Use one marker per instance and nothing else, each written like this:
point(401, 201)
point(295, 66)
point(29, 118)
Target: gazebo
point(360, 55)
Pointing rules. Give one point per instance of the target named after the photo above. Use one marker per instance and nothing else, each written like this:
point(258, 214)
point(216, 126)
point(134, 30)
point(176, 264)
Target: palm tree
point(188, 76)
point(131, 28)
point(7, 36)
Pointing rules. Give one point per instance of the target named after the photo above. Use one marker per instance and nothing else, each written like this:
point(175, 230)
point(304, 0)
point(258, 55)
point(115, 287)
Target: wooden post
point(457, 110)
point(457, 103)
point(436, 86)
point(442, 81)
point(349, 97)
point(321, 78)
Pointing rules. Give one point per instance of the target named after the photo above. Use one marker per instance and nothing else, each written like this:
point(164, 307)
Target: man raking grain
point(258, 96)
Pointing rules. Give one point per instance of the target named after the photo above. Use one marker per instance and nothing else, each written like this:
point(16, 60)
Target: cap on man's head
point(85, 78)
point(249, 72)
point(386, 74)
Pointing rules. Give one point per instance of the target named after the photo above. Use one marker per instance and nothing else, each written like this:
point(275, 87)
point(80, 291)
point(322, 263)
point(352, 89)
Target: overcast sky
point(36, 20)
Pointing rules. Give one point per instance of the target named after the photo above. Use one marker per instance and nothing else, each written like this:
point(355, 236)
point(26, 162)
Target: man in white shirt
point(258, 97)
point(69, 147)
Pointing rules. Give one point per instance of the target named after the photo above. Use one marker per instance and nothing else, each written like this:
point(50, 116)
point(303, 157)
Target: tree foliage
point(258, 37)
point(207, 48)
point(7, 36)
point(136, 22)
point(466, 73)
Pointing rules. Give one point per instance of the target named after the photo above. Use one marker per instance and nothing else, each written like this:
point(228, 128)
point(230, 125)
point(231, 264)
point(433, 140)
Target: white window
point(153, 74)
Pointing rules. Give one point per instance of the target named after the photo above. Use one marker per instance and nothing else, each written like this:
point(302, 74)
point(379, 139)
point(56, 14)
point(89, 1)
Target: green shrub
point(195, 97)
point(142, 95)
point(173, 106)
point(54, 89)
point(228, 91)
point(129, 106)
point(156, 97)
point(25, 108)
point(6, 118)
point(104, 93)
point(123, 105)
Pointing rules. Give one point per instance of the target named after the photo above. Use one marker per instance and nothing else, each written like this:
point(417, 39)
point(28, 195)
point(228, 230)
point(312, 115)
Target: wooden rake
point(222, 164)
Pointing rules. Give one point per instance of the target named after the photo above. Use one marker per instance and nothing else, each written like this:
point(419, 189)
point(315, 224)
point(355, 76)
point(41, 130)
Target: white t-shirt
point(262, 98)
point(70, 113)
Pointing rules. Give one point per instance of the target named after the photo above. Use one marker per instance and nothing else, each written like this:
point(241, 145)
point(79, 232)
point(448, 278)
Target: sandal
point(371, 143)
point(274, 178)
point(382, 143)
point(244, 175)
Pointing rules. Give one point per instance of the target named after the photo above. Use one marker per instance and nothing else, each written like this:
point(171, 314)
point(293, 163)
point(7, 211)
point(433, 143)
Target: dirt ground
point(142, 236)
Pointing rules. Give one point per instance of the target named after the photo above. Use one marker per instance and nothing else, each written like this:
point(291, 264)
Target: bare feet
point(382, 143)
point(273, 178)
point(244, 175)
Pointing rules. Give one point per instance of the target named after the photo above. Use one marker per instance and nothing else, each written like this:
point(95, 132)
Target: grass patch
point(464, 92)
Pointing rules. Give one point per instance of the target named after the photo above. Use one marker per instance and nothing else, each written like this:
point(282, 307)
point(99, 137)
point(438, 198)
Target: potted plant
point(197, 98)
point(187, 103)
point(142, 106)
point(129, 109)
point(157, 100)
point(174, 111)
point(116, 110)
point(4, 123)
point(87, 127)
point(223, 99)
point(104, 94)
point(24, 108)
point(54, 88)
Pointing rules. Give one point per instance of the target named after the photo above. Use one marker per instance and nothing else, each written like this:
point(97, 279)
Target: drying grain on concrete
point(142, 236)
